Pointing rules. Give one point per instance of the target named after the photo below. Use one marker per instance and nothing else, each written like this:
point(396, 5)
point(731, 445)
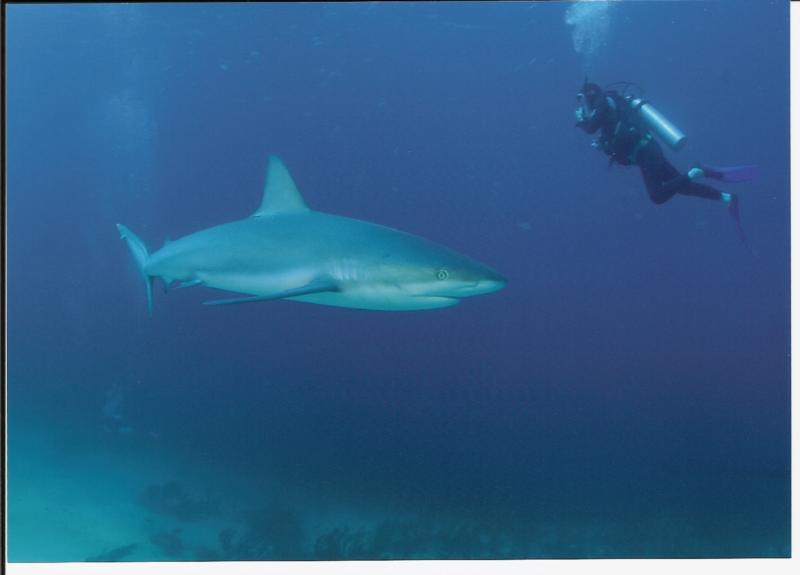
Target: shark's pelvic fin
point(140, 255)
point(315, 286)
point(280, 192)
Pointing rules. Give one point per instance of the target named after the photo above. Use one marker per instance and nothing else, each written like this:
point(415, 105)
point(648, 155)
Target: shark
point(287, 251)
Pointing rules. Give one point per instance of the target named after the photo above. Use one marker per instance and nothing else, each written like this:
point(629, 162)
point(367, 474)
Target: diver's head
point(592, 107)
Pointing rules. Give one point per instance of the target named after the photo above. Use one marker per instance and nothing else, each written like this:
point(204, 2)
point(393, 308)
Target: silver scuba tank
point(668, 132)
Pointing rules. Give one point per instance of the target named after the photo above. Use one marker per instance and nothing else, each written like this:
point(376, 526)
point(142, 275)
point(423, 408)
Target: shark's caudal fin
point(140, 255)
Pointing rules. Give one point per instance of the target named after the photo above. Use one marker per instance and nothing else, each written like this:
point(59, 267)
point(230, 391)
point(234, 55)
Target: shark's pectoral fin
point(190, 283)
point(316, 286)
point(168, 284)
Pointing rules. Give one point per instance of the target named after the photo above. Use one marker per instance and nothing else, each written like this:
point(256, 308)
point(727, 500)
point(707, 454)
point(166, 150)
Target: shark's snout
point(493, 284)
point(489, 282)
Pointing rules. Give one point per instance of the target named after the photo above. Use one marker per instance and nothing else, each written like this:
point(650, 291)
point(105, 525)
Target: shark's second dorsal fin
point(280, 191)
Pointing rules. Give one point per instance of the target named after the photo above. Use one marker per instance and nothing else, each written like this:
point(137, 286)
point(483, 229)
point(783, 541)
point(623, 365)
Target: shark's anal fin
point(316, 286)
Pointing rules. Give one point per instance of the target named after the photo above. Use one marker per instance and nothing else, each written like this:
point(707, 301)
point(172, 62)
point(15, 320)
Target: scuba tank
point(668, 132)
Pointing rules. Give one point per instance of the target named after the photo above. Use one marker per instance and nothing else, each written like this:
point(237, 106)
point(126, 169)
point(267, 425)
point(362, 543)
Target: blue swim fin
point(733, 210)
point(731, 173)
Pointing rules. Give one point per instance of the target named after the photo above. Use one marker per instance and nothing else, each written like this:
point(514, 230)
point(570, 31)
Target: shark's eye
point(442, 274)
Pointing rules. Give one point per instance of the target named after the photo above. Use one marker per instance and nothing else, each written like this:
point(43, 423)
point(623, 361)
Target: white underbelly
point(361, 299)
point(263, 284)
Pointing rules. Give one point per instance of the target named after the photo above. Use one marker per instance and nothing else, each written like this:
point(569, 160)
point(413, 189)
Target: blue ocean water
point(626, 395)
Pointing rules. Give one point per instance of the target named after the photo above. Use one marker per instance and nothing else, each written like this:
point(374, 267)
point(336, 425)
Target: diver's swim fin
point(731, 173)
point(733, 210)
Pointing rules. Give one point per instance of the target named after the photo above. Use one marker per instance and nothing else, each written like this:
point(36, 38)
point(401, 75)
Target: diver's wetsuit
point(626, 141)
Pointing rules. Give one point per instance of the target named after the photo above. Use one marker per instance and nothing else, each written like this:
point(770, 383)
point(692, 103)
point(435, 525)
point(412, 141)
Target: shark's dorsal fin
point(280, 192)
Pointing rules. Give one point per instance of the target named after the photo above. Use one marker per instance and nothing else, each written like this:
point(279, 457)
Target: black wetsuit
point(627, 141)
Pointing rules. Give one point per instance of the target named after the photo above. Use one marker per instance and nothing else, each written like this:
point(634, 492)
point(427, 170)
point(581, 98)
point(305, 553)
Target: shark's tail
point(140, 255)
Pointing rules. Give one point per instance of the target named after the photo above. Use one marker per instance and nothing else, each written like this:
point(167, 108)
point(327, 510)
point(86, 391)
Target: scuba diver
point(627, 124)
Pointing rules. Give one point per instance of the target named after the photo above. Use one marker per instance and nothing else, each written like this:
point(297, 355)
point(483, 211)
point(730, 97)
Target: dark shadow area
point(116, 554)
point(268, 534)
point(169, 543)
point(412, 539)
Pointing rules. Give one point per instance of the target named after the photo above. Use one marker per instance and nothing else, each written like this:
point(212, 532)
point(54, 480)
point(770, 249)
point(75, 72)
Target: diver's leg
point(690, 188)
point(660, 177)
point(658, 194)
point(663, 181)
point(671, 181)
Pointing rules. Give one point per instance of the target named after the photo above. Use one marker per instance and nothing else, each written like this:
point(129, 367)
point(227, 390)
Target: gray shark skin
point(287, 251)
